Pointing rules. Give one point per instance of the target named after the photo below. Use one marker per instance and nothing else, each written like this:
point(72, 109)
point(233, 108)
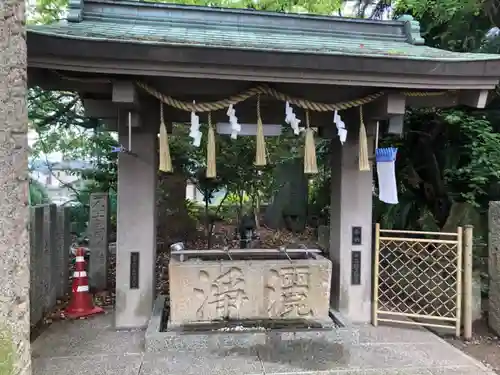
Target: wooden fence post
point(459, 290)
point(375, 275)
point(467, 282)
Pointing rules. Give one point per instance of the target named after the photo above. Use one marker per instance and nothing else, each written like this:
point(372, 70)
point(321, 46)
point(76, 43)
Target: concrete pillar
point(63, 244)
point(50, 261)
point(351, 211)
point(136, 232)
point(98, 240)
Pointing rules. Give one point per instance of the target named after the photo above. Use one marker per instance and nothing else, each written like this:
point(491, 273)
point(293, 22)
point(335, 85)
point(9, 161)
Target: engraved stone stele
point(324, 237)
point(50, 259)
point(494, 266)
point(210, 289)
point(63, 244)
point(98, 240)
point(37, 296)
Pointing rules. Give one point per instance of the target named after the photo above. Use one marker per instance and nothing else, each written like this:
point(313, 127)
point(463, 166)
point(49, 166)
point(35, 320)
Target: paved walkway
point(92, 347)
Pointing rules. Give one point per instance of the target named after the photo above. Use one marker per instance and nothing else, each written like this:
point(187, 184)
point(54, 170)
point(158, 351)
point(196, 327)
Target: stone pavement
point(92, 347)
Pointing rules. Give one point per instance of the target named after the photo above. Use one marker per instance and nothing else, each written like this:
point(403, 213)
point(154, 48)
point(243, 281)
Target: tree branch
point(62, 111)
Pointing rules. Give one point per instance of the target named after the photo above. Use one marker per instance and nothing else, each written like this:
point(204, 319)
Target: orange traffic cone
point(81, 304)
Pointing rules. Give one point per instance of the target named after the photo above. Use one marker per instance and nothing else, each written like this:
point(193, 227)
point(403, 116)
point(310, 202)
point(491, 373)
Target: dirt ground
point(484, 346)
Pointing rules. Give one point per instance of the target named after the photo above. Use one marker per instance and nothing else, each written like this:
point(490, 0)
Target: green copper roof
point(173, 25)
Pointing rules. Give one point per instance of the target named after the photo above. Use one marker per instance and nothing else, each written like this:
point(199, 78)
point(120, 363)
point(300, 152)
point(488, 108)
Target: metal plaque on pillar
point(355, 267)
point(356, 236)
point(134, 270)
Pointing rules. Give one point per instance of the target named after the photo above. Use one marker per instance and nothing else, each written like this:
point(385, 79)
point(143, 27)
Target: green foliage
point(234, 199)
point(38, 194)
point(317, 7)
point(61, 127)
point(46, 11)
point(457, 25)
point(192, 208)
point(478, 150)
point(445, 157)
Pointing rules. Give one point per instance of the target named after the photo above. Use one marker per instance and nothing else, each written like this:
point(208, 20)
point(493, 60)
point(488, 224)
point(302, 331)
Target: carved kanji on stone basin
point(203, 291)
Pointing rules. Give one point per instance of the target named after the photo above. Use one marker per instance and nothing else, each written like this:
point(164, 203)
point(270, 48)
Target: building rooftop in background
point(66, 165)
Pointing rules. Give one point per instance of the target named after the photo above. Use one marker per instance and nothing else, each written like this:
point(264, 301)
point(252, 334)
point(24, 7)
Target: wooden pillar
point(467, 284)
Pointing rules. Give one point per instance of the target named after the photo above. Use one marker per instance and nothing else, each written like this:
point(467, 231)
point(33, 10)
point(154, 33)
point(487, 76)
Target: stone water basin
point(207, 286)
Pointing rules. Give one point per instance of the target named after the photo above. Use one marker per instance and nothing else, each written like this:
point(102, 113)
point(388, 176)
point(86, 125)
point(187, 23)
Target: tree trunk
point(15, 356)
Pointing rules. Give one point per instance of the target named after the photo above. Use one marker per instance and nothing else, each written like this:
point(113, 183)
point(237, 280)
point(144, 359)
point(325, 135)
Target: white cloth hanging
point(194, 131)
point(292, 120)
point(341, 130)
point(387, 186)
point(233, 120)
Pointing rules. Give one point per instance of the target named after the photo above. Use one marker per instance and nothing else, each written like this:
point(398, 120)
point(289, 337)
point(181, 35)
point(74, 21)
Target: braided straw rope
point(266, 90)
point(261, 89)
point(426, 93)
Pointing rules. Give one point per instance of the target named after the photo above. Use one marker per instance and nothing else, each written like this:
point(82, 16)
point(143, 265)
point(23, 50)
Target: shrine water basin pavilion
point(206, 54)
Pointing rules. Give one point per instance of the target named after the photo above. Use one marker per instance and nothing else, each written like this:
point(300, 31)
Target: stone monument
point(494, 266)
point(49, 255)
point(36, 265)
point(98, 240)
point(63, 244)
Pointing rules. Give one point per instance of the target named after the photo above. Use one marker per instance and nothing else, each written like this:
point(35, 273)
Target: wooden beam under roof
point(125, 94)
point(474, 98)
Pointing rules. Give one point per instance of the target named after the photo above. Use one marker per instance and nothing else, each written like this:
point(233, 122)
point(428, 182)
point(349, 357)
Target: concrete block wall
point(50, 242)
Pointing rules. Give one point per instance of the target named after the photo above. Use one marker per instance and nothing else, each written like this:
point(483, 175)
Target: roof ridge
point(137, 12)
point(412, 29)
point(75, 11)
